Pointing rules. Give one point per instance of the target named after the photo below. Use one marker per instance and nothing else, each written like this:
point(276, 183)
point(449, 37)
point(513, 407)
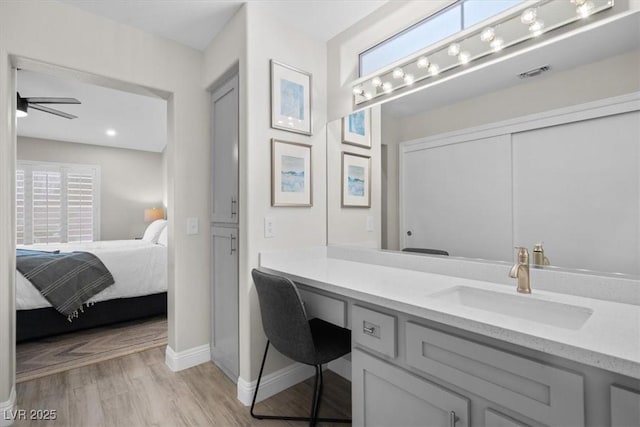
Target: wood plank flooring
point(63, 352)
point(139, 390)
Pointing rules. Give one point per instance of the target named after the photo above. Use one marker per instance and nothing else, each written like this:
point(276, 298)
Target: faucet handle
point(523, 254)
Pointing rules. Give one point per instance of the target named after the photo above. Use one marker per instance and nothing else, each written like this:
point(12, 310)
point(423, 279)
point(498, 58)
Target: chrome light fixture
point(525, 22)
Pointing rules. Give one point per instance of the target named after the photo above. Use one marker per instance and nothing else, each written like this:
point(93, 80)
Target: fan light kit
point(524, 23)
point(23, 105)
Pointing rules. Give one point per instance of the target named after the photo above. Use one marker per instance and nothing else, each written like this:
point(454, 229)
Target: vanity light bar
point(517, 27)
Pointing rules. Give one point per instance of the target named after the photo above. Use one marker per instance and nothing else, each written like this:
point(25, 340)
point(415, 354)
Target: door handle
point(453, 419)
point(233, 206)
point(232, 239)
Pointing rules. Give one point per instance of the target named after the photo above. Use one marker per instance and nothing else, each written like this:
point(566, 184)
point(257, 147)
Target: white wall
point(268, 39)
point(131, 180)
point(70, 39)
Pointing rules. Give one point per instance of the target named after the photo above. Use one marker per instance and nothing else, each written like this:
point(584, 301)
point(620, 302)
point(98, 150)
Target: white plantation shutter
point(80, 218)
point(20, 206)
point(57, 203)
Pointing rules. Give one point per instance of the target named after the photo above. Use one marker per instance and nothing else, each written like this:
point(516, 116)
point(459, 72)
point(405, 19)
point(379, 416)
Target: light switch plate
point(269, 227)
point(192, 226)
point(369, 223)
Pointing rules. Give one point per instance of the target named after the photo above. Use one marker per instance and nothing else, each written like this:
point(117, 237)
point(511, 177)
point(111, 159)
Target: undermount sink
point(522, 306)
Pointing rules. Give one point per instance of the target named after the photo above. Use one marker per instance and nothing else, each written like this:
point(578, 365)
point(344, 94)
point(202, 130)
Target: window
point(57, 203)
point(457, 17)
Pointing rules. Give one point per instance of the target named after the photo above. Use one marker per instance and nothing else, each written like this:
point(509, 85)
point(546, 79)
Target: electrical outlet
point(369, 223)
point(269, 227)
point(192, 226)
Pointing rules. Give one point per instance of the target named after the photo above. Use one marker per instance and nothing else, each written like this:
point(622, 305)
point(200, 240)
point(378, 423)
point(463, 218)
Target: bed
point(139, 270)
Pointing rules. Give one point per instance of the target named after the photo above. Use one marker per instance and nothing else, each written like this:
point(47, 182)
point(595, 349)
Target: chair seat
point(330, 341)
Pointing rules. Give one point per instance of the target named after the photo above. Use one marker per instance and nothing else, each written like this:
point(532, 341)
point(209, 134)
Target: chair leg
point(317, 390)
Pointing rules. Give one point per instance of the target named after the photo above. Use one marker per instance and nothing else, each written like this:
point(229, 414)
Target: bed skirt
point(44, 322)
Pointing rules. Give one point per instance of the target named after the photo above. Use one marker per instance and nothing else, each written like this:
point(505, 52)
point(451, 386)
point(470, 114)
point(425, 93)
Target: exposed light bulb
point(111, 132)
point(497, 44)
point(585, 9)
point(20, 114)
point(488, 34)
point(423, 62)
point(387, 87)
point(464, 57)
point(358, 90)
point(408, 79)
point(368, 95)
point(537, 27)
point(376, 82)
point(398, 73)
point(434, 69)
point(454, 49)
point(529, 16)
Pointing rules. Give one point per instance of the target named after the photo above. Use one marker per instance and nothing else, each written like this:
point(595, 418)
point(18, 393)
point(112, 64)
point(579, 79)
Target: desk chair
point(312, 342)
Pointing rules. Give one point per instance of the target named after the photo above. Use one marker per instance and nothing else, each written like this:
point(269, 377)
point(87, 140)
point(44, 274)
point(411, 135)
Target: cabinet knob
point(409, 233)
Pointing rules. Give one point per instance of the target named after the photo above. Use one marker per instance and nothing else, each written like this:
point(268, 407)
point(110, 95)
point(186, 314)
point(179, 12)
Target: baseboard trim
point(8, 413)
point(273, 383)
point(341, 367)
point(177, 361)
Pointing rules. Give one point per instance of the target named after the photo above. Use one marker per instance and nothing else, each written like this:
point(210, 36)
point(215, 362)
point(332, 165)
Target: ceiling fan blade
point(52, 111)
point(53, 100)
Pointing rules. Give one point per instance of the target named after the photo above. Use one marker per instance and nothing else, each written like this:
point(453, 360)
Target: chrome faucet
point(539, 259)
point(520, 270)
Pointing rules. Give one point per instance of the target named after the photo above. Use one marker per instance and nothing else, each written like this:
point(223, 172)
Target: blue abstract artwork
point(291, 99)
point(357, 123)
point(292, 175)
point(355, 178)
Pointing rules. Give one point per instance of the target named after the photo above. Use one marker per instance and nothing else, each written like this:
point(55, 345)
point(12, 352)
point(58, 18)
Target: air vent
point(534, 72)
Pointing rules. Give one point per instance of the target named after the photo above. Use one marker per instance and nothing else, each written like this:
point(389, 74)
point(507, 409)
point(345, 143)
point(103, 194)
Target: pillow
point(153, 231)
point(164, 236)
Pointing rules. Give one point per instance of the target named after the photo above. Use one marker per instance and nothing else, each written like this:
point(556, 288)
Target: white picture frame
point(291, 177)
point(290, 98)
point(356, 181)
point(356, 129)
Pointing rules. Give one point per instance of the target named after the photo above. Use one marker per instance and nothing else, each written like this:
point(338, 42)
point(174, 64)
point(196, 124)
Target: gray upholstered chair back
point(284, 319)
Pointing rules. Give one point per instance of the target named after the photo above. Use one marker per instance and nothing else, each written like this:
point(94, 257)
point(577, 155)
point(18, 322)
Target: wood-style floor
point(139, 390)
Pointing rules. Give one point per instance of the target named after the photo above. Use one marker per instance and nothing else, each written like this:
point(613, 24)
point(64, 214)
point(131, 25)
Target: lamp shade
point(152, 214)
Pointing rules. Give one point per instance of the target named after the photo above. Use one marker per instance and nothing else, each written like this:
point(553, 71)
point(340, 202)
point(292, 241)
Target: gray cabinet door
point(224, 152)
point(385, 395)
point(224, 295)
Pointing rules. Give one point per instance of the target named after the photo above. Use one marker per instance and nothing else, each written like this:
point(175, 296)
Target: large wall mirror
point(488, 161)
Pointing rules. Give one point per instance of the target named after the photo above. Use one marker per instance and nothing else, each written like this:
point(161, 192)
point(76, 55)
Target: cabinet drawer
point(541, 392)
point(323, 307)
point(496, 419)
point(374, 330)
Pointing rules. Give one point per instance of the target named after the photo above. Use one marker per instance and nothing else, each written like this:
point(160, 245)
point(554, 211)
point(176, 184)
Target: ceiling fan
point(25, 103)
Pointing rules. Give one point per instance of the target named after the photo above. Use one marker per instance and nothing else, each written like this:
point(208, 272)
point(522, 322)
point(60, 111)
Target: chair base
point(317, 393)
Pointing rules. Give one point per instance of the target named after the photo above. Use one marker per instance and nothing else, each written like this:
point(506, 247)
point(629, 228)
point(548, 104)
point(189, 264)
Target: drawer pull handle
point(369, 330)
point(453, 419)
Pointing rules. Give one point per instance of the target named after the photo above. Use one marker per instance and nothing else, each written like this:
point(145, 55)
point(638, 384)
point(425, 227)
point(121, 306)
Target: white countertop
point(610, 338)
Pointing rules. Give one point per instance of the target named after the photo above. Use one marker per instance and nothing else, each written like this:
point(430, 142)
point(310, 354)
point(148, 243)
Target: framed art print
point(356, 180)
point(290, 174)
point(356, 129)
point(290, 99)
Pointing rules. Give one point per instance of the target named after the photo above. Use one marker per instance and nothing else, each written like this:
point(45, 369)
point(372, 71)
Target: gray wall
point(130, 180)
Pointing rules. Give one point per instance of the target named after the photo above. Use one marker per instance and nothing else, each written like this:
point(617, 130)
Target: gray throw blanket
point(66, 280)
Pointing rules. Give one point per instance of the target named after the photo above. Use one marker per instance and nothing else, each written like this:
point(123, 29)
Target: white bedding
point(138, 268)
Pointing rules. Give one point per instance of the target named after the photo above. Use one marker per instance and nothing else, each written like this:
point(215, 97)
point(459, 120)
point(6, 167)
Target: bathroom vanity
point(446, 349)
